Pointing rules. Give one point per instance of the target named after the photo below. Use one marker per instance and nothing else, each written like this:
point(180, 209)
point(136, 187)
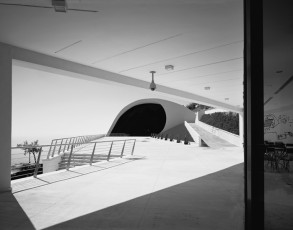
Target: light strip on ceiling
point(280, 89)
point(284, 85)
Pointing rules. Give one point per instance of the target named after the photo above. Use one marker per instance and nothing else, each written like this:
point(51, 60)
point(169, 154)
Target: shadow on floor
point(12, 215)
point(214, 201)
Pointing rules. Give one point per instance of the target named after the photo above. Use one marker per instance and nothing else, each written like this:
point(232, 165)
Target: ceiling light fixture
point(207, 88)
point(59, 5)
point(226, 99)
point(169, 67)
point(153, 85)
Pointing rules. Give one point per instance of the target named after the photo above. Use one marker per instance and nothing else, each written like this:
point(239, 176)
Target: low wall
point(195, 136)
point(230, 137)
point(51, 164)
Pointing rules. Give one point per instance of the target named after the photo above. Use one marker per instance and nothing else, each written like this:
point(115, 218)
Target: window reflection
point(278, 114)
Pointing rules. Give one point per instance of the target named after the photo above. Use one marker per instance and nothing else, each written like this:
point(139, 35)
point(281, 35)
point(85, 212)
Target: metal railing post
point(73, 142)
point(108, 158)
point(133, 147)
point(69, 143)
point(69, 158)
point(48, 156)
point(60, 147)
point(65, 145)
point(92, 156)
point(53, 153)
point(38, 163)
point(123, 149)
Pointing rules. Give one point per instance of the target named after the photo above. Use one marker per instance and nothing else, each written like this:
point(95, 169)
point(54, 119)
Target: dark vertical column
point(5, 119)
point(253, 112)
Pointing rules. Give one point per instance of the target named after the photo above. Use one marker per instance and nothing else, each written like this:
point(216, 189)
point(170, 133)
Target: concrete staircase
point(210, 139)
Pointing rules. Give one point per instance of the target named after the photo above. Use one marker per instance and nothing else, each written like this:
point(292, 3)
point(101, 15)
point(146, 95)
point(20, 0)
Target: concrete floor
point(174, 187)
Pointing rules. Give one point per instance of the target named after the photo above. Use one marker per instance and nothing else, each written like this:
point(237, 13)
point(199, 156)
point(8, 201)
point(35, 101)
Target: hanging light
point(153, 85)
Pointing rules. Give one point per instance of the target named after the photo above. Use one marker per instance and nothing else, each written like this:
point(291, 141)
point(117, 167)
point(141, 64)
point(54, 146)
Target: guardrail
point(63, 144)
point(100, 150)
point(90, 152)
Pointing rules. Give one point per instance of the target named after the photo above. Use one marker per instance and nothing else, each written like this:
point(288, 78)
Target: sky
point(47, 105)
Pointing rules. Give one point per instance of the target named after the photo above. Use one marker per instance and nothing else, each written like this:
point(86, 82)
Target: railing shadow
point(214, 201)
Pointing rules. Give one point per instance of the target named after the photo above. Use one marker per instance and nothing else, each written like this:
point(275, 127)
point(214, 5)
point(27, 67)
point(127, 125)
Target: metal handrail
point(71, 155)
point(77, 141)
point(113, 149)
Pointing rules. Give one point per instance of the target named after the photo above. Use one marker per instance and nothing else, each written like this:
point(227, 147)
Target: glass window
point(278, 114)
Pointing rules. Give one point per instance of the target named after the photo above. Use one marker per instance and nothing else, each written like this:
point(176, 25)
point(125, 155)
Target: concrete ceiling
point(278, 55)
point(203, 39)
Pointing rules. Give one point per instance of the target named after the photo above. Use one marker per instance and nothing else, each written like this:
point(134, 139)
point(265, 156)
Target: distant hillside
point(197, 107)
point(226, 121)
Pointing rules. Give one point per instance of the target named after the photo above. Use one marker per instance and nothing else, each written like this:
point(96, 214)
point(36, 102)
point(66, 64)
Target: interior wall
point(278, 126)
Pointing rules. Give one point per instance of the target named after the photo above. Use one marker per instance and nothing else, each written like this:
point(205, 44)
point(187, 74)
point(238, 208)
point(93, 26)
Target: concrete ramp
point(210, 139)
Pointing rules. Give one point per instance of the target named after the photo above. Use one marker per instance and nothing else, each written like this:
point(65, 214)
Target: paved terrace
point(165, 186)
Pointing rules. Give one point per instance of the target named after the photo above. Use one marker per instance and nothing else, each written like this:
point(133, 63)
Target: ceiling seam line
point(168, 59)
point(116, 55)
point(66, 47)
point(212, 81)
point(196, 77)
point(213, 63)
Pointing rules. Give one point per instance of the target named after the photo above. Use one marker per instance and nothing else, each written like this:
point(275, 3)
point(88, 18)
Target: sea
point(18, 155)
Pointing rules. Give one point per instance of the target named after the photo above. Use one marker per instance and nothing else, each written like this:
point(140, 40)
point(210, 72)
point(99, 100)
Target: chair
point(280, 154)
point(288, 157)
point(269, 154)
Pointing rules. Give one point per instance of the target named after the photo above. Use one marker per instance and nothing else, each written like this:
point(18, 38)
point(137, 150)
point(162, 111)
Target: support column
point(254, 114)
point(5, 119)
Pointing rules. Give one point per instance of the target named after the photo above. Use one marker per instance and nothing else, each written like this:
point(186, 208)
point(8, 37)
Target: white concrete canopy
point(122, 43)
point(203, 40)
point(53, 64)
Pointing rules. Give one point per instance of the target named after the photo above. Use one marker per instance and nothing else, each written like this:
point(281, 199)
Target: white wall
point(193, 133)
point(278, 126)
point(51, 164)
point(175, 114)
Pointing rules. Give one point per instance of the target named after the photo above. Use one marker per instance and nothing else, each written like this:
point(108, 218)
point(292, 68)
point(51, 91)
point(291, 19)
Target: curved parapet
point(146, 116)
